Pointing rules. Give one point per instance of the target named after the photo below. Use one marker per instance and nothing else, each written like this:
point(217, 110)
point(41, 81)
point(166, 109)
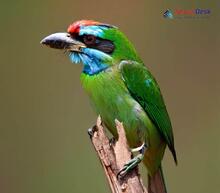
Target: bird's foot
point(91, 131)
point(133, 162)
point(143, 147)
point(130, 166)
point(112, 141)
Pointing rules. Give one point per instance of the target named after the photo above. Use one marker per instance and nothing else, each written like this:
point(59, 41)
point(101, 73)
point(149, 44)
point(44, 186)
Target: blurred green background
point(44, 116)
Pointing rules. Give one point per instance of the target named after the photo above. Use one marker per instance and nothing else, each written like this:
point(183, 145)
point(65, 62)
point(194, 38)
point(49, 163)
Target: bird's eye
point(89, 39)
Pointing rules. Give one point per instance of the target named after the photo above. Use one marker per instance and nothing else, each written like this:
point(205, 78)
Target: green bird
point(121, 87)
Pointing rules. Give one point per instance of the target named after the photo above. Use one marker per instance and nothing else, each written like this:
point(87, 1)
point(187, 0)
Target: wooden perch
point(113, 157)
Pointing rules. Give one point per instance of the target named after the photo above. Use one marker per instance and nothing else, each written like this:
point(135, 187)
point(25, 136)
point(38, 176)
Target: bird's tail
point(156, 183)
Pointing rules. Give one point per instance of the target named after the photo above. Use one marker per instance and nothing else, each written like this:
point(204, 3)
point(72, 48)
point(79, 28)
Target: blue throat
point(94, 61)
point(94, 68)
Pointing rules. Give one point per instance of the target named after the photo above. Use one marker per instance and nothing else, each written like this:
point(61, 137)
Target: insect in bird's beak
point(63, 41)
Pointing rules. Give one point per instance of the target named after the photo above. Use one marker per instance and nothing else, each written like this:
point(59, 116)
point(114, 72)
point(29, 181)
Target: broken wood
point(113, 157)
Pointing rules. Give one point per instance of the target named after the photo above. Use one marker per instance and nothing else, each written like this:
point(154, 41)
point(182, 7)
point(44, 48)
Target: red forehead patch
point(75, 27)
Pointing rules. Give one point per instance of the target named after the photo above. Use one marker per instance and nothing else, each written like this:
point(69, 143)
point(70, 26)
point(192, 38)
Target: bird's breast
point(111, 99)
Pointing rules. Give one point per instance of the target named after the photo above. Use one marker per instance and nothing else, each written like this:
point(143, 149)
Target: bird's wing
point(145, 90)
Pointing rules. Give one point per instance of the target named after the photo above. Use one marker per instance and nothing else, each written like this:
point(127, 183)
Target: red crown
point(75, 27)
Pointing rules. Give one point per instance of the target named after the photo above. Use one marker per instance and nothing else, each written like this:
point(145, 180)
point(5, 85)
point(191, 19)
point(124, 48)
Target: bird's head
point(97, 45)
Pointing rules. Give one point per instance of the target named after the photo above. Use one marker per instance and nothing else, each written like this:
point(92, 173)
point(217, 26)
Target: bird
point(121, 87)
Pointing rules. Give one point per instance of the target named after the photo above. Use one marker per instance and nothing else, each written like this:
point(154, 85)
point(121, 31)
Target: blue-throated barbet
point(121, 87)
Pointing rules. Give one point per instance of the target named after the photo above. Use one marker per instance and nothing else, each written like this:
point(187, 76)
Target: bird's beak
point(63, 41)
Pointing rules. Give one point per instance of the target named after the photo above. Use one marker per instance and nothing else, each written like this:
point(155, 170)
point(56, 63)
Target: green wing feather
point(145, 90)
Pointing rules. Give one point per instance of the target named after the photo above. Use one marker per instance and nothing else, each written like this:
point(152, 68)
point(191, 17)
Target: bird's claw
point(91, 131)
point(112, 141)
point(133, 162)
point(130, 165)
point(140, 149)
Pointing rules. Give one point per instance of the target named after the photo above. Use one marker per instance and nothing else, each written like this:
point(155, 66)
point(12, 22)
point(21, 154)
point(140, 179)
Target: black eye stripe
point(89, 39)
point(103, 45)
